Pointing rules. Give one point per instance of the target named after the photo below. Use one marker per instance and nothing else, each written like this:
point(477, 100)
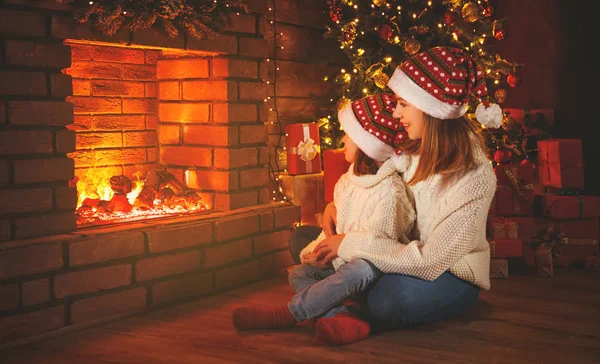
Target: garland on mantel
point(198, 18)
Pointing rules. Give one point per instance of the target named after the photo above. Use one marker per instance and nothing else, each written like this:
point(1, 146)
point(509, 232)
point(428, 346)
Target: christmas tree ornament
point(498, 31)
point(509, 123)
point(503, 156)
point(490, 116)
point(380, 79)
point(471, 12)
point(342, 102)
point(412, 46)
point(528, 163)
point(335, 11)
point(450, 18)
point(500, 95)
point(385, 32)
point(513, 80)
point(488, 11)
point(350, 33)
point(379, 2)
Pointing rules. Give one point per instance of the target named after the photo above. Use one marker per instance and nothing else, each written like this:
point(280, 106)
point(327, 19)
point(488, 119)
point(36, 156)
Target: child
point(369, 197)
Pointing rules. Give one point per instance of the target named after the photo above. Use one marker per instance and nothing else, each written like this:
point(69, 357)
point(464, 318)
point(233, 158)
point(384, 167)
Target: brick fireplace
point(76, 109)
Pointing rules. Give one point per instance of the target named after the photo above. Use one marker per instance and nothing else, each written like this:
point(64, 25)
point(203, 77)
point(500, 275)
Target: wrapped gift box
point(506, 248)
point(568, 207)
point(303, 148)
point(503, 228)
point(543, 261)
point(582, 241)
point(530, 228)
point(512, 202)
point(306, 191)
point(515, 191)
point(499, 268)
point(334, 165)
point(560, 163)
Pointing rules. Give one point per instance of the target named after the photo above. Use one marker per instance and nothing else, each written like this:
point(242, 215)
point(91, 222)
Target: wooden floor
point(521, 320)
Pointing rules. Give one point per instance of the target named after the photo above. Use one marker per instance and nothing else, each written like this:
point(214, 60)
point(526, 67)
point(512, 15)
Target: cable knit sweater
point(377, 205)
point(450, 230)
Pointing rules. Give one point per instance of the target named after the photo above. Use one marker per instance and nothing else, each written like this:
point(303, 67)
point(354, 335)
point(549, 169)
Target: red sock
point(245, 318)
point(344, 328)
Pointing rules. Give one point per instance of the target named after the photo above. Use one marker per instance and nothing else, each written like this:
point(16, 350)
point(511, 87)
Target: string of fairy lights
point(274, 169)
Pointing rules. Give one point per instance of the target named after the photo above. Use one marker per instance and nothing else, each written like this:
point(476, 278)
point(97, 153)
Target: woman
point(440, 273)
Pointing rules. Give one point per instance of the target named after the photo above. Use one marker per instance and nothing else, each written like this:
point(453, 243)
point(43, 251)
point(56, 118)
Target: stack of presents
point(539, 218)
point(311, 173)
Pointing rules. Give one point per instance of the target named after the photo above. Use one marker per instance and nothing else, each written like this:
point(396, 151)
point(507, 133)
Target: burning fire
point(103, 198)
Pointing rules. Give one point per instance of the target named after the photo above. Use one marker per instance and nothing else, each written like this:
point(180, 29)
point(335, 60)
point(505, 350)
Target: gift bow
point(307, 150)
point(503, 221)
point(519, 186)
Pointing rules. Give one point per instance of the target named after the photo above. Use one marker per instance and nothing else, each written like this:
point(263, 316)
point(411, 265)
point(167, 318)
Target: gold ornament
point(455, 3)
point(379, 2)
point(350, 32)
point(509, 123)
point(412, 46)
point(471, 12)
point(381, 79)
point(342, 102)
point(500, 95)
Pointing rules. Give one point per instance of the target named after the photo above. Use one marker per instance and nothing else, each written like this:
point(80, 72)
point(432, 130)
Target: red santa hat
point(439, 81)
point(369, 122)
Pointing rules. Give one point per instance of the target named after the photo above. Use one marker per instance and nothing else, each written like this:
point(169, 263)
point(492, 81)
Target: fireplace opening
point(154, 132)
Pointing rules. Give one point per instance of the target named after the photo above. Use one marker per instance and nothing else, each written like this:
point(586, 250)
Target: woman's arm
point(451, 239)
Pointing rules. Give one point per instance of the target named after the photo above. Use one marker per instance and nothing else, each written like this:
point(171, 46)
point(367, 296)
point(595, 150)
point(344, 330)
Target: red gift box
point(334, 165)
point(582, 241)
point(513, 175)
point(512, 202)
point(569, 207)
point(530, 228)
point(560, 163)
point(303, 148)
point(506, 248)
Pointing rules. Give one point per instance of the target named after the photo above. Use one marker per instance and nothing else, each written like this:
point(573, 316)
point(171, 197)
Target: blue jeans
point(320, 292)
point(397, 301)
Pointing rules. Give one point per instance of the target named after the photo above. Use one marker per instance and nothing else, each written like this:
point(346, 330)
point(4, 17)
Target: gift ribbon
point(306, 148)
point(519, 187)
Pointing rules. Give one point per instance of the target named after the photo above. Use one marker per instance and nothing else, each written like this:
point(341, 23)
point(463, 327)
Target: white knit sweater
point(450, 230)
point(377, 205)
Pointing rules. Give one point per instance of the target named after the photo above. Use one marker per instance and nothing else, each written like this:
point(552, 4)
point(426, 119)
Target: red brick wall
point(114, 102)
point(93, 274)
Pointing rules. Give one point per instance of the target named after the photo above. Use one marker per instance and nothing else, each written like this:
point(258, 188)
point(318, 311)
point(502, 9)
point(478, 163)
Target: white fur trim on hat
point(406, 88)
point(367, 142)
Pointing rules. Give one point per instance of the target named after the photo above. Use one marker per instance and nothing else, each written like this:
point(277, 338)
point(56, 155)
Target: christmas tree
point(378, 35)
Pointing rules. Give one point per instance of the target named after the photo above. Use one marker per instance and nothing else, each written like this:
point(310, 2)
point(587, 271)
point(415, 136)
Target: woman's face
point(412, 118)
point(350, 149)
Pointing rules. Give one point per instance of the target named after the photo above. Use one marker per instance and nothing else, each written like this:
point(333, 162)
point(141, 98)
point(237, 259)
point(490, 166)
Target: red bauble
point(528, 162)
point(500, 34)
point(385, 32)
point(503, 156)
point(450, 18)
point(513, 80)
point(488, 11)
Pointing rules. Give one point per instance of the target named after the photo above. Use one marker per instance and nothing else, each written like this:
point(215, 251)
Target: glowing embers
point(111, 199)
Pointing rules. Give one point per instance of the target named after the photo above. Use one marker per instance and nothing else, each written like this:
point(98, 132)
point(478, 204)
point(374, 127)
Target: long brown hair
point(364, 164)
point(446, 147)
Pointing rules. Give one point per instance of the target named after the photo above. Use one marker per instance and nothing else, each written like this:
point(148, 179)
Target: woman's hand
point(331, 245)
point(329, 219)
point(316, 259)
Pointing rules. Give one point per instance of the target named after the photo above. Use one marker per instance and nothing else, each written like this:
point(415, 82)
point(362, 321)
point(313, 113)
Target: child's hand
point(316, 260)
